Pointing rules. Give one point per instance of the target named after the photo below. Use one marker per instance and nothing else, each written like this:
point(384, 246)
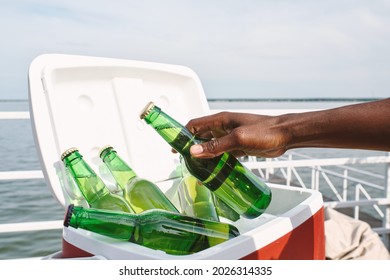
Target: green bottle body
point(140, 193)
point(229, 180)
point(91, 186)
point(195, 199)
point(157, 229)
point(224, 210)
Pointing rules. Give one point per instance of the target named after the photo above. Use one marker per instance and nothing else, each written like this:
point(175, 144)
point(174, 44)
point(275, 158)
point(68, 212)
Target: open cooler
point(90, 102)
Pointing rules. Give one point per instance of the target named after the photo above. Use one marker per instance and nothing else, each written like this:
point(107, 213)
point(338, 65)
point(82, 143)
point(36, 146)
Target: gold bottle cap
point(103, 149)
point(147, 110)
point(68, 152)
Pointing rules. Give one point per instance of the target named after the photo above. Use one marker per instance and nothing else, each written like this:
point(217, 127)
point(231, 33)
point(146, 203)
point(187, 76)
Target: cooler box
point(90, 102)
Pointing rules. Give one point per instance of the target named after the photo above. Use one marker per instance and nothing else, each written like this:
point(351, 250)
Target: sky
point(238, 48)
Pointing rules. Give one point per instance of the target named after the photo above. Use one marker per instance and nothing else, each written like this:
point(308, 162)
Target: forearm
point(361, 126)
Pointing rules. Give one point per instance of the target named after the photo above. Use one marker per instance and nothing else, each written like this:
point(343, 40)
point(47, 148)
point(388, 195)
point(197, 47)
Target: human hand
point(238, 133)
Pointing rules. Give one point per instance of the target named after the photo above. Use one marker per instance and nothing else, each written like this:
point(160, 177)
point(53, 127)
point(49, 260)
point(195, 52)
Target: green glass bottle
point(232, 182)
point(157, 229)
point(195, 199)
point(224, 210)
point(91, 185)
point(140, 193)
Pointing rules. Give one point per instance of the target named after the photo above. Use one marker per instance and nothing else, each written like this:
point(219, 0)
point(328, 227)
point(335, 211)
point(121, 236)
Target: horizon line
point(249, 99)
point(308, 99)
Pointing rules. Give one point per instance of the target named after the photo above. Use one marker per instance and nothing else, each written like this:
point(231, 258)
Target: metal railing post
point(313, 174)
point(386, 218)
point(345, 185)
point(289, 171)
point(357, 198)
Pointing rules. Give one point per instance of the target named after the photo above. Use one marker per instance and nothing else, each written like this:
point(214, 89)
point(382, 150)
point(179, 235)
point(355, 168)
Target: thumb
point(209, 149)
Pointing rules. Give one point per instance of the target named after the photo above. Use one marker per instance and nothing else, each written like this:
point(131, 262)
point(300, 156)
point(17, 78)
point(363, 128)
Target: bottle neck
point(177, 135)
point(118, 167)
point(72, 159)
point(91, 186)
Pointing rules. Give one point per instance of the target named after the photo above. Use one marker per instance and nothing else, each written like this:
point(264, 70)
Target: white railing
point(24, 175)
point(288, 168)
point(27, 226)
point(14, 115)
point(322, 179)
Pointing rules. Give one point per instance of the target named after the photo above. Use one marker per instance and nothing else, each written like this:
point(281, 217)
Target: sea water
point(24, 200)
point(31, 200)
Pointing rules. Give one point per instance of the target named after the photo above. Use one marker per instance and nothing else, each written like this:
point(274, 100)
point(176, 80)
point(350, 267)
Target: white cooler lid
point(89, 102)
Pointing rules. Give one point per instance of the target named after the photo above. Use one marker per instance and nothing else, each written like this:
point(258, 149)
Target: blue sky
point(241, 48)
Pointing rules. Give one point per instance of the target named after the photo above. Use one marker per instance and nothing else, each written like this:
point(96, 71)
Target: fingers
point(212, 148)
point(202, 151)
point(209, 126)
point(221, 128)
point(199, 152)
point(238, 133)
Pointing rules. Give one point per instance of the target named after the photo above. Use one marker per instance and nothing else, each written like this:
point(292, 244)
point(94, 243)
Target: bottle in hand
point(229, 180)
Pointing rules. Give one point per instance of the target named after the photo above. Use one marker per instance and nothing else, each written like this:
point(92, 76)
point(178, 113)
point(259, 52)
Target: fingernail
point(196, 149)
